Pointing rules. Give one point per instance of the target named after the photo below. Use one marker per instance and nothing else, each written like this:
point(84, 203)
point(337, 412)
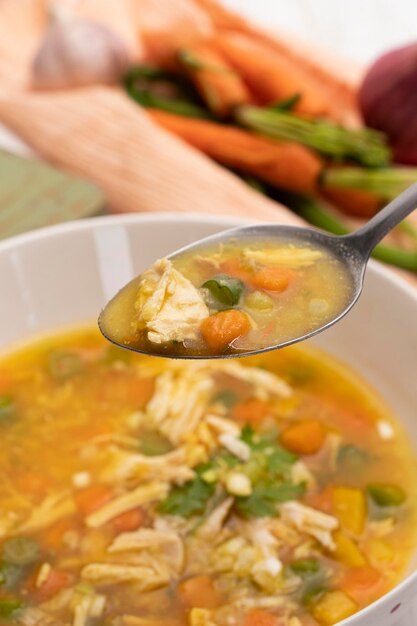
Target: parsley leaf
point(265, 495)
point(189, 499)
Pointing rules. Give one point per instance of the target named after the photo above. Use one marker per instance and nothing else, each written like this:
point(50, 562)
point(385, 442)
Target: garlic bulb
point(77, 52)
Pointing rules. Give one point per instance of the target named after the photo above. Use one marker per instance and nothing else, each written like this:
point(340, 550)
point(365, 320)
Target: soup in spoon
point(229, 298)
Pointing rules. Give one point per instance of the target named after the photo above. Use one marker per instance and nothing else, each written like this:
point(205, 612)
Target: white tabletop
point(359, 30)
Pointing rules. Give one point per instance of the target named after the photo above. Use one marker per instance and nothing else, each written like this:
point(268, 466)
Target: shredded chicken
point(52, 509)
point(290, 256)
point(146, 578)
point(169, 307)
point(126, 502)
point(123, 465)
point(87, 606)
point(166, 545)
point(265, 383)
point(214, 523)
point(308, 520)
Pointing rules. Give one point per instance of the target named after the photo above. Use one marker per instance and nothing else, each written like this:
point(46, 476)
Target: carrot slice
point(200, 592)
point(362, 584)
point(220, 329)
point(218, 83)
point(130, 520)
point(286, 165)
point(251, 412)
point(56, 581)
point(305, 437)
point(258, 617)
point(275, 279)
point(92, 498)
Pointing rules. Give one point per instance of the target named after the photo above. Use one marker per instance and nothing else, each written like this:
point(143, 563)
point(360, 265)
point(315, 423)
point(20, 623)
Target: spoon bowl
point(352, 251)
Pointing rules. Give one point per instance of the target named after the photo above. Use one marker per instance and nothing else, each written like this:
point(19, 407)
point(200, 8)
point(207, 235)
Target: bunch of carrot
point(251, 109)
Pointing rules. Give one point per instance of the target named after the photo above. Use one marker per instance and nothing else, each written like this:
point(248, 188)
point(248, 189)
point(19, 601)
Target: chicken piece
point(291, 256)
point(310, 521)
point(169, 307)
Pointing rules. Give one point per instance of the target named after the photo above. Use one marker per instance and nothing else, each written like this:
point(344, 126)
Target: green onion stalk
point(318, 216)
point(365, 145)
point(386, 182)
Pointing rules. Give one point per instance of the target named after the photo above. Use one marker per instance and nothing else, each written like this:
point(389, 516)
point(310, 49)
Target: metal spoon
point(352, 250)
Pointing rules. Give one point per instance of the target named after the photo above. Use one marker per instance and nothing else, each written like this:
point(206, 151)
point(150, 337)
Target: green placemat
point(34, 194)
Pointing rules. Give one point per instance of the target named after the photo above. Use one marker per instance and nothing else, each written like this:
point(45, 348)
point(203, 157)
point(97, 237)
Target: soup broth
point(233, 298)
point(277, 491)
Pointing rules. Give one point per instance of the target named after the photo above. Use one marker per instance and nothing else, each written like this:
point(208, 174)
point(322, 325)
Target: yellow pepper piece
point(350, 508)
point(333, 607)
point(347, 552)
point(380, 553)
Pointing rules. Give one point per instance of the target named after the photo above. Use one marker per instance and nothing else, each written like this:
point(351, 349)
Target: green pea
point(305, 567)
point(386, 495)
point(7, 408)
point(8, 607)
point(21, 551)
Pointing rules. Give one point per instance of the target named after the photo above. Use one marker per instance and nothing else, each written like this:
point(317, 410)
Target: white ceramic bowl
point(63, 275)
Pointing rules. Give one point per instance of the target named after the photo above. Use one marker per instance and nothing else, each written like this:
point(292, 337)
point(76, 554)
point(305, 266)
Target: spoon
point(352, 250)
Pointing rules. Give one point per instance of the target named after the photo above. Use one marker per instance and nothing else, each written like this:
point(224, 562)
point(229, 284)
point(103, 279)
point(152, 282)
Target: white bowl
point(63, 275)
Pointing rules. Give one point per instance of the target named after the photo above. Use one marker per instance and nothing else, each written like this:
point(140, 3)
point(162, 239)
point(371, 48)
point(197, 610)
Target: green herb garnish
point(7, 408)
point(265, 496)
point(305, 567)
point(225, 289)
point(189, 499)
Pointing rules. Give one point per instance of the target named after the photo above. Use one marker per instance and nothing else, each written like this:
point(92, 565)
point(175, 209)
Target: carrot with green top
point(218, 83)
point(271, 76)
point(220, 329)
point(287, 165)
point(306, 437)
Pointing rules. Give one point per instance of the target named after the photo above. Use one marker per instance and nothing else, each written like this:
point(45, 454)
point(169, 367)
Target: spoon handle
point(366, 238)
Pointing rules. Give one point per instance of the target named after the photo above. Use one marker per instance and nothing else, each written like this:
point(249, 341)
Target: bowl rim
point(86, 224)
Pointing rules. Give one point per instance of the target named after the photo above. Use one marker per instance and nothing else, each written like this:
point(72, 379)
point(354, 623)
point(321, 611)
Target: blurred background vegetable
point(388, 100)
point(77, 52)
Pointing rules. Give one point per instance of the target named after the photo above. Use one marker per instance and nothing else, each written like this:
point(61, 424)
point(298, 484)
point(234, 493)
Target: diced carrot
point(272, 76)
point(275, 279)
point(217, 82)
point(361, 583)
point(349, 506)
point(258, 617)
point(92, 498)
point(33, 484)
point(321, 500)
point(251, 412)
point(199, 592)
point(306, 437)
point(56, 581)
point(130, 520)
point(287, 165)
point(234, 267)
point(353, 201)
point(220, 329)
point(53, 537)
